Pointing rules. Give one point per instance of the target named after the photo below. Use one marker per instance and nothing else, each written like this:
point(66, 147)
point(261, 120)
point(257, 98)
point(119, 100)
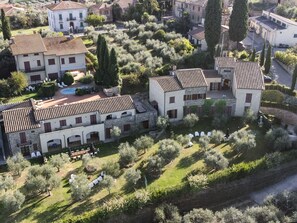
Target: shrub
point(286, 201)
point(217, 136)
point(219, 121)
point(68, 78)
point(273, 96)
point(47, 89)
point(159, 35)
point(17, 163)
point(163, 122)
point(86, 79)
point(278, 139)
point(169, 149)
point(167, 213)
point(286, 57)
point(128, 154)
point(232, 215)
point(12, 201)
point(190, 120)
point(273, 159)
point(198, 181)
point(264, 214)
point(132, 176)
point(199, 216)
point(249, 116)
point(183, 139)
point(6, 183)
point(82, 91)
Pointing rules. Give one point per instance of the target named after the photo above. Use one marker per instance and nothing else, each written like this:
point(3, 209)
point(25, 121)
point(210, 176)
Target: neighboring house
point(275, 29)
point(67, 17)
point(102, 9)
point(195, 8)
point(29, 128)
point(10, 10)
point(125, 4)
point(197, 37)
point(48, 57)
point(239, 83)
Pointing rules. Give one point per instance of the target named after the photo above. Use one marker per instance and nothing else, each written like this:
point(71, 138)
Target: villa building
point(67, 16)
point(277, 30)
point(103, 9)
point(239, 83)
point(29, 127)
point(195, 8)
point(50, 57)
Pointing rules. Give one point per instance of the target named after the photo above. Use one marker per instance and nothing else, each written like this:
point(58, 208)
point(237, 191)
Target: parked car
point(267, 79)
point(283, 45)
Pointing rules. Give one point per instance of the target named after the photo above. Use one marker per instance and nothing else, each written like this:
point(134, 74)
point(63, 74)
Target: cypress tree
point(294, 78)
point(267, 63)
point(98, 75)
point(5, 26)
point(262, 56)
point(105, 63)
point(213, 17)
point(238, 24)
point(113, 69)
point(253, 56)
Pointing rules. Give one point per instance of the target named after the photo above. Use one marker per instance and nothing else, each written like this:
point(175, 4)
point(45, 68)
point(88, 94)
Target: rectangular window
point(51, 61)
point(53, 76)
point(71, 59)
point(81, 24)
point(35, 78)
point(70, 16)
point(172, 113)
point(107, 133)
point(23, 137)
point(295, 35)
point(61, 26)
point(62, 60)
point(127, 127)
point(246, 108)
point(62, 123)
point(93, 119)
point(171, 100)
point(194, 96)
point(38, 63)
point(187, 97)
point(248, 98)
point(36, 54)
point(47, 127)
point(80, 15)
point(145, 124)
point(27, 66)
point(25, 55)
point(60, 17)
point(78, 120)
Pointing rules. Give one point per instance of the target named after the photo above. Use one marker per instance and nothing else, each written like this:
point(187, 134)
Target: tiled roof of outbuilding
point(65, 5)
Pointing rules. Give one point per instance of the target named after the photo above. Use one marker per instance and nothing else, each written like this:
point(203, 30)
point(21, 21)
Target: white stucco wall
point(80, 62)
point(178, 104)
point(241, 104)
point(156, 93)
point(212, 80)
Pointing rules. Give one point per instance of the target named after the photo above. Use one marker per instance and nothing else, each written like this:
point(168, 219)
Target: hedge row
point(286, 58)
point(281, 88)
point(286, 107)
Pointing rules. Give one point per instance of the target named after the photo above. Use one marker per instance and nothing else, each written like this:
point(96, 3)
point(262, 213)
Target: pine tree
point(253, 56)
point(267, 63)
point(238, 24)
point(294, 78)
point(5, 26)
point(262, 56)
point(213, 19)
point(113, 69)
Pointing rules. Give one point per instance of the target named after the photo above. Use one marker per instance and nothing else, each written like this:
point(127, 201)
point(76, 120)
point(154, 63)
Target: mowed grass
point(29, 31)
point(23, 97)
point(60, 204)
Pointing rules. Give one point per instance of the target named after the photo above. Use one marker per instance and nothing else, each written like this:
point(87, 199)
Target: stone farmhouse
point(277, 30)
point(50, 57)
point(195, 8)
point(67, 16)
point(29, 127)
point(240, 84)
point(103, 9)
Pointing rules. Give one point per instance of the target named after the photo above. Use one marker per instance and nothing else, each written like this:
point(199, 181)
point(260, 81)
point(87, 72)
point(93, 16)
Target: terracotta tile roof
point(63, 46)
point(190, 78)
point(103, 106)
point(225, 61)
point(124, 4)
point(9, 9)
point(168, 83)
point(211, 74)
point(249, 76)
point(19, 119)
point(65, 5)
point(26, 44)
point(198, 33)
point(99, 6)
point(194, 2)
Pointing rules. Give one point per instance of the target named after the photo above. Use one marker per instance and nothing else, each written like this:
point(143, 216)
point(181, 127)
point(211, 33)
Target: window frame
point(51, 61)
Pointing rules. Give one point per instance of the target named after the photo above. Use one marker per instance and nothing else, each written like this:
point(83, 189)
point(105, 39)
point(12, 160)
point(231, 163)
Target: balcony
point(71, 19)
point(27, 143)
point(35, 69)
point(223, 94)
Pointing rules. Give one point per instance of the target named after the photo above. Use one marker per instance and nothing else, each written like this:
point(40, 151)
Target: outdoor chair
point(196, 134)
point(209, 134)
point(202, 134)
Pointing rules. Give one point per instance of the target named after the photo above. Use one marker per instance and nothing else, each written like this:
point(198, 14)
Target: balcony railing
point(35, 69)
point(71, 19)
point(19, 144)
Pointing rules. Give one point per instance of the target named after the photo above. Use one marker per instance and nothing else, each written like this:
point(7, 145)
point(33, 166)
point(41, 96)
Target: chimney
point(174, 67)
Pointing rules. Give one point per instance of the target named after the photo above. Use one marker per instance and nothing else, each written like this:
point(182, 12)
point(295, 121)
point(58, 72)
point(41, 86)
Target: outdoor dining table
point(79, 153)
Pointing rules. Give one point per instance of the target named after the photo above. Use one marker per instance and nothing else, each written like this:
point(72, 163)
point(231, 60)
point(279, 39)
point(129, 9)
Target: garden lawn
point(28, 31)
point(60, 204)
point(24, 97)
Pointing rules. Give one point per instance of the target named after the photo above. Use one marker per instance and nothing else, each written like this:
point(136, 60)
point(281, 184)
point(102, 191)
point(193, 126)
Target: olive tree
point(169, 149)
point(264, 213)
point(111, 168)
point(80, 187)
point(116, 132)
point(17, 163)
point(215, 160)
point(183, 139)
point(132, 176)
point(204, 142)
point(198, 181)
point(12, 200)
point(190, 120)
point(217, 136)
point(108, 182)
point(59, 160)
point(143, 143)
point(249, 116)
point(278, 139)
point(128, 154)
point(243, 140)
point(6, 183)
point(167, 213)
point(232, 215)
point(163, 122)
point(199, 216)
point(154, 166)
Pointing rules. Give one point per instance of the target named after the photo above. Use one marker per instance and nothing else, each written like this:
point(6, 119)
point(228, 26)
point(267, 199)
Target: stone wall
point(286, 116)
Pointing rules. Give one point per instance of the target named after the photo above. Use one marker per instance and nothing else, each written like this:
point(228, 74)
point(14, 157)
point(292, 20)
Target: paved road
point(281, 75)
point(288, 184)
